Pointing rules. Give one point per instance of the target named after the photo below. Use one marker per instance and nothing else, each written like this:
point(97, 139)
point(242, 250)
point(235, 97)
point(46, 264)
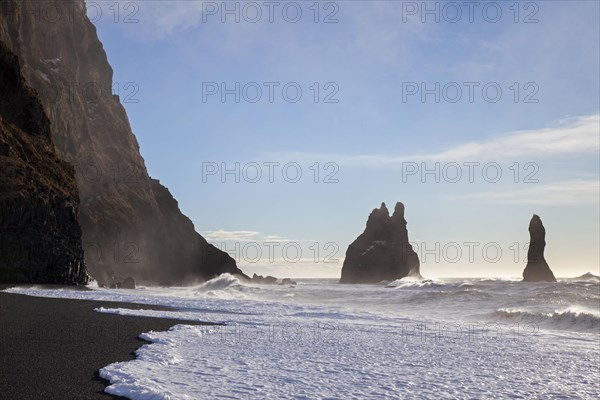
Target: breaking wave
point(411, 282)
point(224, 286)
point(578, 318)
point(222, 281)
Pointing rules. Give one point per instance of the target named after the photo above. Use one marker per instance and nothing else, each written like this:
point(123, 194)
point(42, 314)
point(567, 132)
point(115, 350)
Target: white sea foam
point(221, 282)
point(426, 339)
point(412, 282)
point(346, 361)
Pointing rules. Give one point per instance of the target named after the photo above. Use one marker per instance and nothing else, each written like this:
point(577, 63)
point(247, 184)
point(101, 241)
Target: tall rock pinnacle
point(537, 268)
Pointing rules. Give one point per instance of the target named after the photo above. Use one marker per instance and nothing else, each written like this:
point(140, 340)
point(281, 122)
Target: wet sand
point(53, 348)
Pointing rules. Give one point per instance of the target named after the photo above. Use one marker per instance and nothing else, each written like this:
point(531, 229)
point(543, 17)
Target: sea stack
point(382, 252)
point(537, 269)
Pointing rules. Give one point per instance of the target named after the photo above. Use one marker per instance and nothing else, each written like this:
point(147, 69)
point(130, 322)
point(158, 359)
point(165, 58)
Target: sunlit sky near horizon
point(388, 93)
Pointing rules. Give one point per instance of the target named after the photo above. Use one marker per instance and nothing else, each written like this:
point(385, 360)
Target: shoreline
point(54, 348)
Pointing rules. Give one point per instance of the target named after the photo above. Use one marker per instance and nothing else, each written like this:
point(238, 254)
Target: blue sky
point(376, 132)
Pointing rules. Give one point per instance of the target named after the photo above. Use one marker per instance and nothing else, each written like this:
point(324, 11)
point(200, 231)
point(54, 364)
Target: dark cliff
point(40, 238)
point(382, 251)
point(537, 269)
point(131, 224)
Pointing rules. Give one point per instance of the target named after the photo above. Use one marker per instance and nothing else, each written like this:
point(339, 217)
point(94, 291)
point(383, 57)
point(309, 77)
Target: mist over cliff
point(132, 225)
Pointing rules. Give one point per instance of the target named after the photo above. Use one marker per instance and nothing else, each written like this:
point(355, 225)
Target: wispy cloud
point(166, 17)
point(578, 135)
point(241, 236)
point(567, 137)
point(576, 192)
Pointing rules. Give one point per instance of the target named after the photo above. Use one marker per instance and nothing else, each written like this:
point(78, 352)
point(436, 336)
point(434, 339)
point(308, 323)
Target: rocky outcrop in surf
point(537, 269)
point(132, 226)
point(40, 238)
point(270, 280)
point(588, 276)
point(382, 252)
point(128, 283)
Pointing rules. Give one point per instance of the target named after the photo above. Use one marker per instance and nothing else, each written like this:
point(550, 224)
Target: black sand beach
point(53, 348)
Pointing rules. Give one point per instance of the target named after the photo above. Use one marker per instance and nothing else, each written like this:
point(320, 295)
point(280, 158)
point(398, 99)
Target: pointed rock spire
point(537, 268)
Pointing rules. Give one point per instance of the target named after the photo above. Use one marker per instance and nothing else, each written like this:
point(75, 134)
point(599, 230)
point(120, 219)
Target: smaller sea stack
point(537, 269)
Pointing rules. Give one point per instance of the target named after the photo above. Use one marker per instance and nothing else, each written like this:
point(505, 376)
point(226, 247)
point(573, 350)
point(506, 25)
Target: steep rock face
point(537, 269)
point(130, 226)
point(40, 238)
point(382, 251)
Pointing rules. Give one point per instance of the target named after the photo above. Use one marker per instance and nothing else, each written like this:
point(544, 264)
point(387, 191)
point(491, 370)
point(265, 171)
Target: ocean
point(410, 339)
